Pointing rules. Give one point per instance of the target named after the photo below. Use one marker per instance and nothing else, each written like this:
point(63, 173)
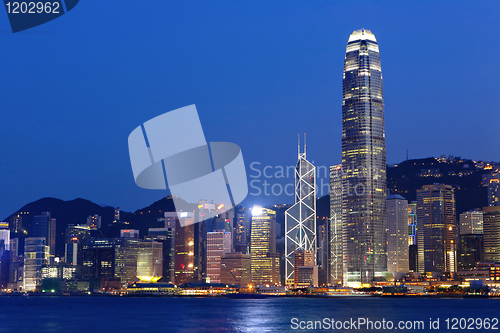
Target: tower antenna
point(305, 145)
point(298, 144)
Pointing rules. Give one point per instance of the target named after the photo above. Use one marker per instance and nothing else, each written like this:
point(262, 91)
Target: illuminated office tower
point(166, 236)
point(397, 236)
point(492, 181)
point(76, 236)
point(471, 222)
point(241, 230)
point(99, 258)
point(94, 222)
point(300, 219)
point(170, 218)
point(126, 251)
point(436, 232)
point(184, 251)
point(363, 162)
point(117, 215)
point(16, 223)
point(470, 251)
point(491, 228)
point(412, 236)
point(45, 226)
point(335, 229)
point(150, 261)
point(235, 269)
point(218, 244)
point(4, 236)
point(306, 272)
point(264, 259)
point(36, 255)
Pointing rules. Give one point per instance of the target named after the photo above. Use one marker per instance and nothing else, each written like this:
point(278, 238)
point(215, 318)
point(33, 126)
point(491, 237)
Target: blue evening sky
point(259, 72)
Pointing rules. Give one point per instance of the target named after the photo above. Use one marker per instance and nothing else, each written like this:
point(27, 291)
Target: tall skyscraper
point(436, 232)
point(36, 254)
point(16, 223)
point(470, 251)
point(300, 219)
point(150, 261)
point(363, 161)
point(397, 237)
point(45, 226)
point(335, 229)
point(241, 230)
point(412, 236)
point(264, 258)
point(492, 181)
point(471, 222)
point(218, 244)
point(491, 227)
point(184, 252)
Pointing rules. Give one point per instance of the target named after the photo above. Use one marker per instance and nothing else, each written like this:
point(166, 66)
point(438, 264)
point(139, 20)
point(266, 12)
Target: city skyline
point(86, 155)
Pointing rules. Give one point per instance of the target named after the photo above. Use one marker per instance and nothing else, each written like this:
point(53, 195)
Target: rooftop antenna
point(305, 145)
point(298, 144)
point(407, 154)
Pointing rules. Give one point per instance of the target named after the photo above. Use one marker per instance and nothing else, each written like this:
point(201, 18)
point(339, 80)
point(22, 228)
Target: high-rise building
point(45, 226)
point(235, 269)
point(117, 215)
point(36, 255)
point(491, 228)
point(306, 272)
point(300, 219)
point(412, 236)
point(335, 228)
point(492, 182)
point(76, 236)
point(471, 222)
point(184, 252)
point(94, 222)
point(436, 232)
point(363, 161)
point(166, 236)
point(264, 259)
point(241, 230)
point(470, 251)
point(16, 223)
point(4, 236)
point(150, 261)
point(397, 234)
point(218, 244)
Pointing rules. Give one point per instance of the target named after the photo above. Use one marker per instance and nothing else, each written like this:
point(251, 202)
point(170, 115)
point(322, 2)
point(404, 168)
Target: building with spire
point(300, 219)
point(363, 162)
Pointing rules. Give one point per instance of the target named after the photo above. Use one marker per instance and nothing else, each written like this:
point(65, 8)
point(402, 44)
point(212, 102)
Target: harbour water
point(183, 314)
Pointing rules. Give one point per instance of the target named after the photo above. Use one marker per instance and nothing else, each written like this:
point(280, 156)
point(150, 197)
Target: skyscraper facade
point(300, 219)
point(36, 255)
point(412, 236)
point(218, 244)
point(397, 234)
point(264, 258)
point(45, 226)
point(491, 227)
point(436, 232)
point(471, 222)
point(335, 229)
point(363, 161)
